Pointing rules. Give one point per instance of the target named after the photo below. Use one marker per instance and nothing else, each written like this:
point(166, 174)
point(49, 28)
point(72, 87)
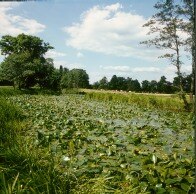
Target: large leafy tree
point(24, 62)
point(75, 78)
point(49, 76)
point(166, 25)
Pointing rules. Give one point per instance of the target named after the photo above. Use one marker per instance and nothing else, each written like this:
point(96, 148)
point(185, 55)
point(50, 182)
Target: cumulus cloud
point(54, 54)
point(171, 69)
point(116, 68)
point(64, 63)
point(14, 24)
point(110, 30)
point(129, 69)
point(146, 69)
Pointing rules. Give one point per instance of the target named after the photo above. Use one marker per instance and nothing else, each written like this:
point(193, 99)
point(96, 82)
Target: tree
point(186, 79)
point(133, 85)
point(19, 69)
point(113, 84)
point(167, 24)
point(103, 83)
point(24, 43)
point(164, 86)
point(95, 85)
point(49, 76)
point(24, 59)
point(188, 10)
point(75, 78)
point(153, 86)
point(117, 83)
point(146, 86)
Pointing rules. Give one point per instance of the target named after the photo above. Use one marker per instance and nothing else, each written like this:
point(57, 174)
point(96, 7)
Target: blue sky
point(100, 36)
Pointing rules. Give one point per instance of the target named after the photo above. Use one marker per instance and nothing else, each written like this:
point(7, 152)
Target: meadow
point(95, 143)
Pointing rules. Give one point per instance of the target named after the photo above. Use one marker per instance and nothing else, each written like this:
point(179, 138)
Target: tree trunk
point(193, 69)
point(182, 93)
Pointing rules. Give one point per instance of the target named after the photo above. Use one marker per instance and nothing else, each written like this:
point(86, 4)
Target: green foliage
point(72, 91)
point(166, 24)
point(49, 77)
point(10, 91)
point(75, 78)
point(8, 114)
point(24, 168)
point(128, 84)
point(186, 82)
point(133, 85)
point(22, 44)
point(103, 83)
point(108, 147)
point(148, 101)
point(24, 59)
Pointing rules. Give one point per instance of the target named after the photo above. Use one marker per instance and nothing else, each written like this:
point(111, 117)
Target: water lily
point(65, 159)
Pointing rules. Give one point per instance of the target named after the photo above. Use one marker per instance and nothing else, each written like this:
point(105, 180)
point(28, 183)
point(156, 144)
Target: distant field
point(162, 102)
point(124, 92)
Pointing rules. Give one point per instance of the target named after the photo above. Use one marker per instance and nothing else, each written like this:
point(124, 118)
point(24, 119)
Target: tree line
point(129, 84)
point(25, 66)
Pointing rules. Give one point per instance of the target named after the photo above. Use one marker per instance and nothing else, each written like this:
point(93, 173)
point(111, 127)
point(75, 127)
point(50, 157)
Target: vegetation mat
point(108, 147)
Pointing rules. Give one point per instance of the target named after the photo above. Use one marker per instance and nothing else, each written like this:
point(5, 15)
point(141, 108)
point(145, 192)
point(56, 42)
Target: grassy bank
point(24, 167)
point(10, 91)
point(171, 103)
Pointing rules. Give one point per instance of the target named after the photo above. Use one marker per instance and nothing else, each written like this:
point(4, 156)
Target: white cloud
point(80, 55)
point(14, 24)
point(75, 66)
point(54, 54)
point(146, 69)
point(171, 69)
point(129, 69)
point(58, 63)
point(116, 68)
point(109, 30)
point(70, 66)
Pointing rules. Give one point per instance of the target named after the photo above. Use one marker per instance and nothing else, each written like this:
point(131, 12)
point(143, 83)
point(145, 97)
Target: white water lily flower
point(123, 165)
point(65, 158)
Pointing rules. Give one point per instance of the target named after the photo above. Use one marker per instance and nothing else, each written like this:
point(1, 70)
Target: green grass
point(172, 103)
point(10, 91)
point(24, 168)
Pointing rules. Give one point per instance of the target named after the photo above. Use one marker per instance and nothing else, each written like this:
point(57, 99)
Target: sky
point(100, 36)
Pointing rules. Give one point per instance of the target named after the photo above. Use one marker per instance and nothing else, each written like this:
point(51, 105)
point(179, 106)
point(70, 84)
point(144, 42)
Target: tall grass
point(158, 102)
point(28, 168)
point(10, 91)
point(25, 168)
